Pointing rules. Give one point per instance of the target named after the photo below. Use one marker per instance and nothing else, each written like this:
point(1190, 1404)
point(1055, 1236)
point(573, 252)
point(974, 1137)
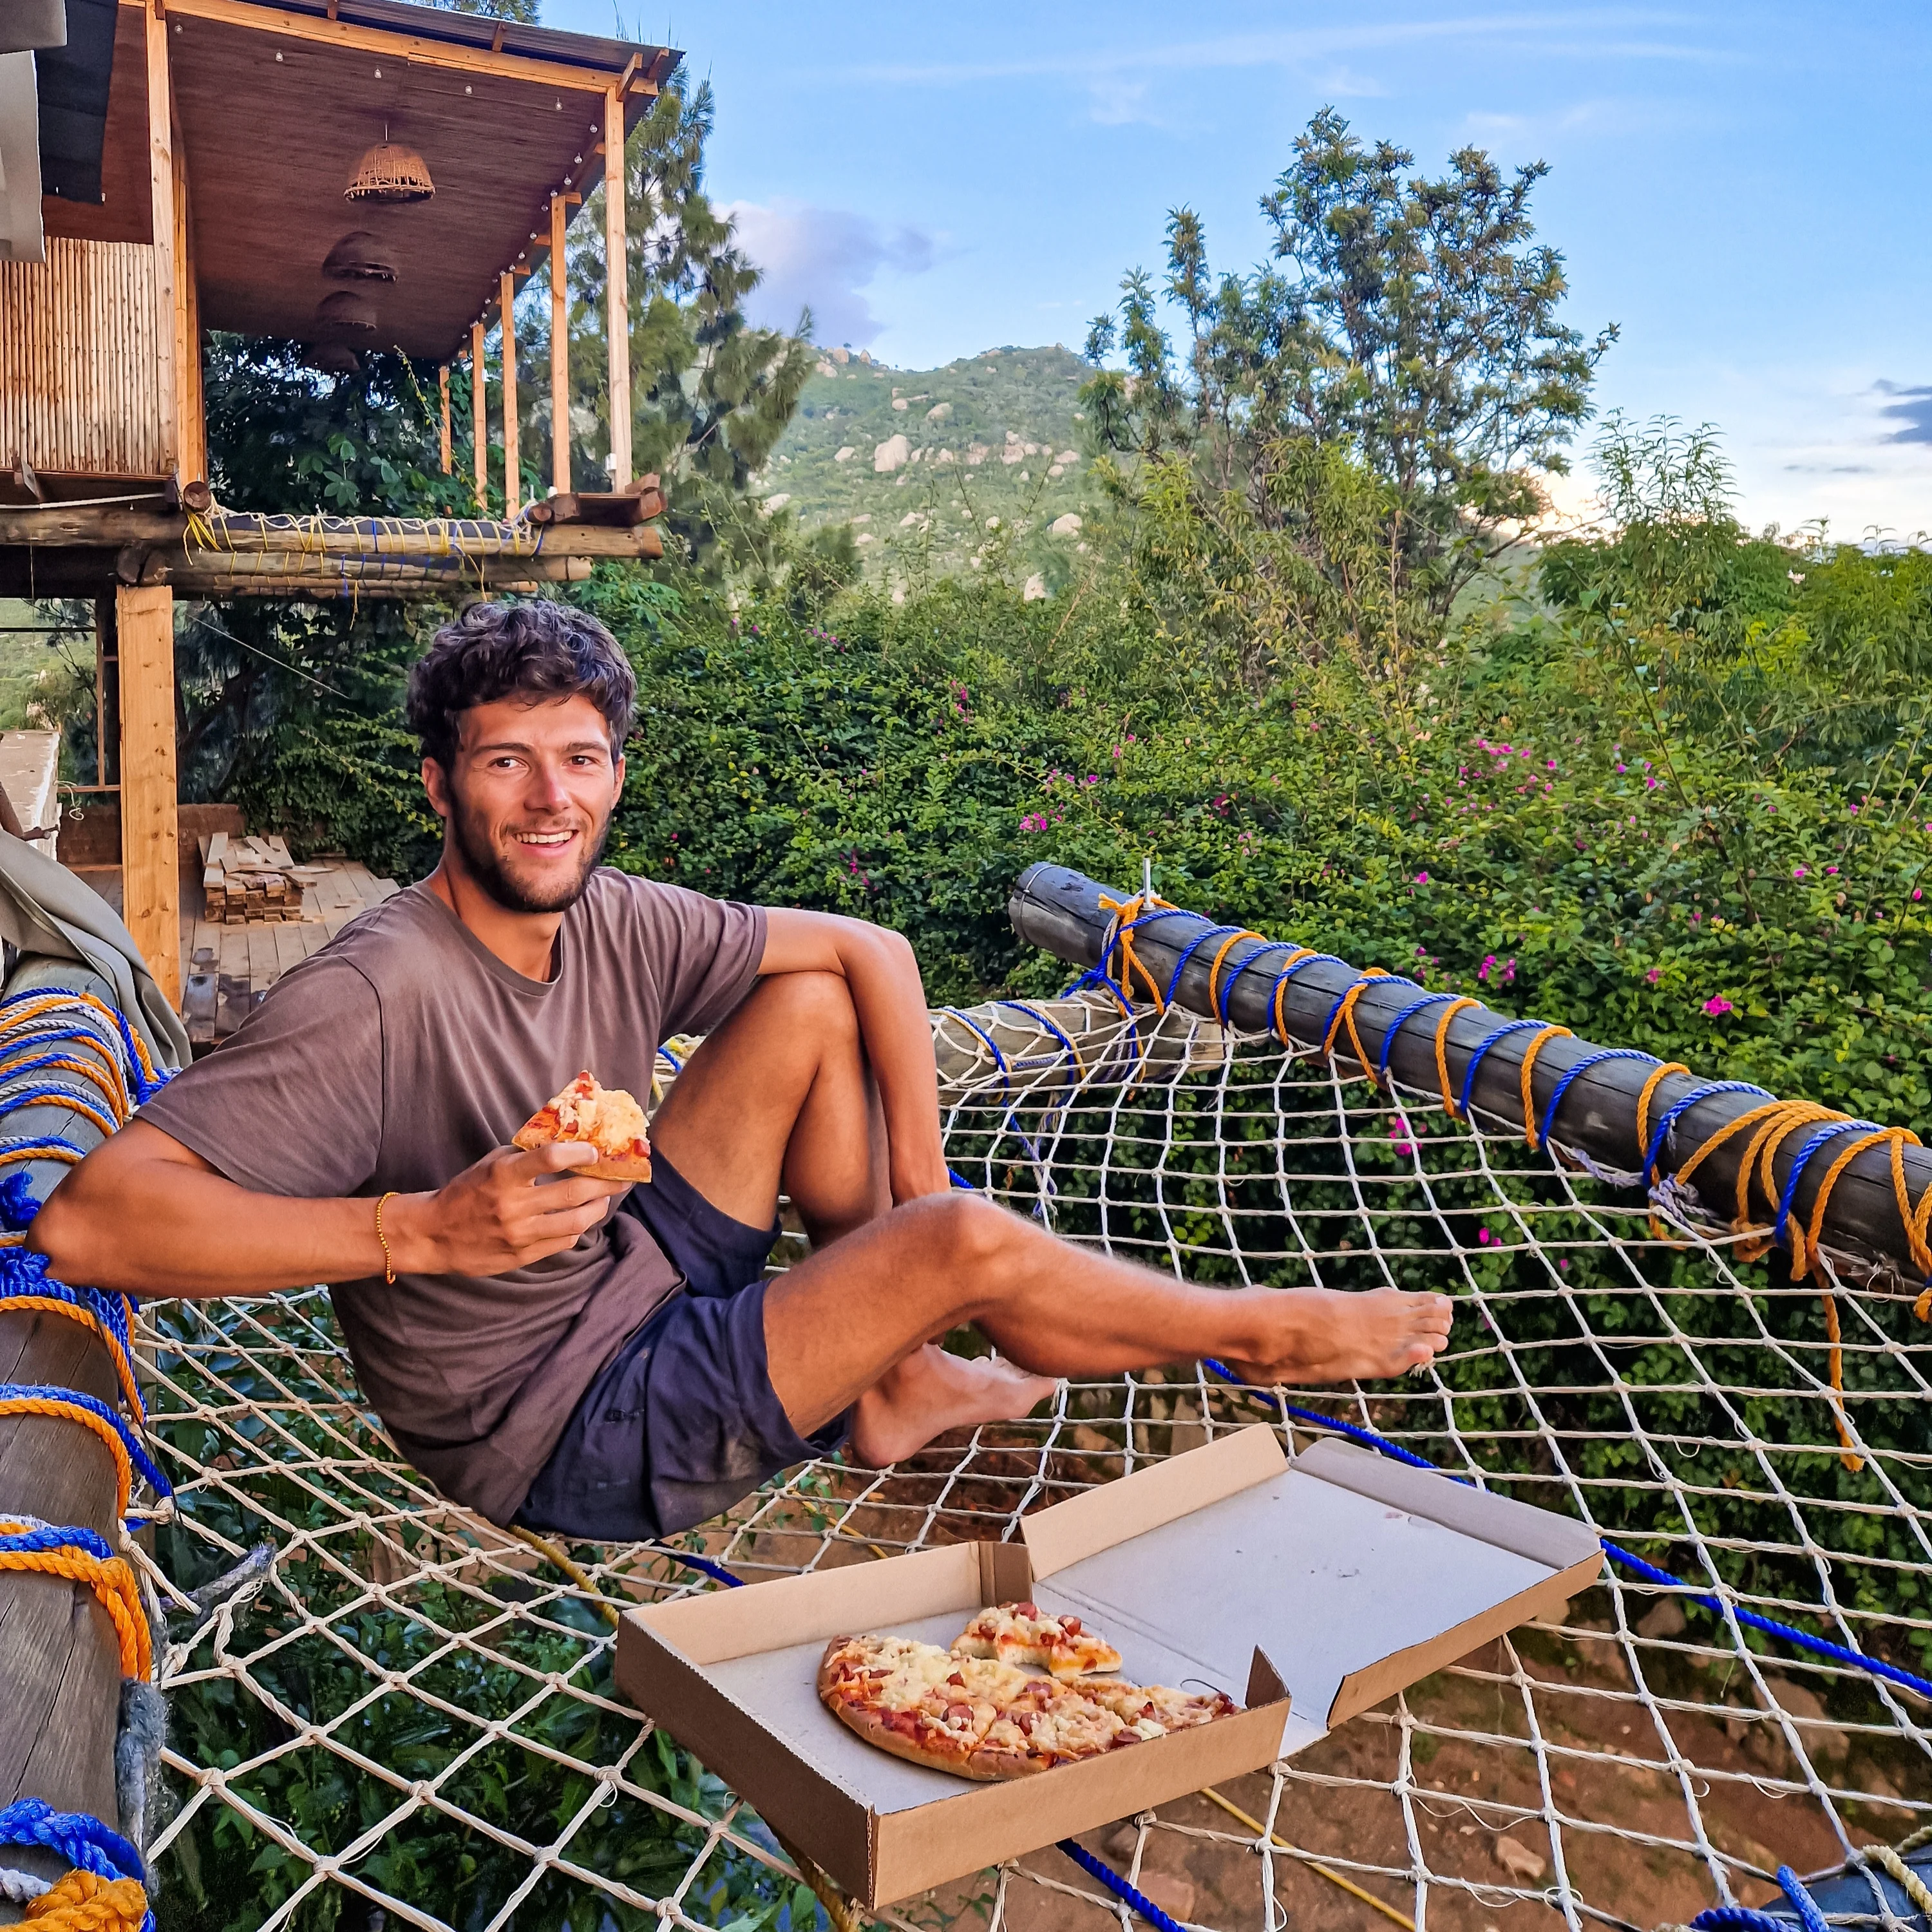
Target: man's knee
point(968, 1236)
point(812, 1007)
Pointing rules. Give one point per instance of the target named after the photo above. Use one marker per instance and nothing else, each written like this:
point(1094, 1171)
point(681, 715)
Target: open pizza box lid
point(1309, 1590)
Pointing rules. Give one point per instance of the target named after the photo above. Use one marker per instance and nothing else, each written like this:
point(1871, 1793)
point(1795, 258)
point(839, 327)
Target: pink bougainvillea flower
point(1482, 1237)
point(1655, 973)
point(1799, 872)
point(1422, 878)
point(1718, 1004)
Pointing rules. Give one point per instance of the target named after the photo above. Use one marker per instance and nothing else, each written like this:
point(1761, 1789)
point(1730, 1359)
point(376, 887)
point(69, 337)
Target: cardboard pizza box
point(1309, 1590)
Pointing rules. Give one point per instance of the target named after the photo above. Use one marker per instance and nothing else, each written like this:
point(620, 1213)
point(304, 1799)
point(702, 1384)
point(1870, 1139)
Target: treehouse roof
point(274, 106)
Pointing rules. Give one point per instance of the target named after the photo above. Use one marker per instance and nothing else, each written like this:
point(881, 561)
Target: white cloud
point(825, 259)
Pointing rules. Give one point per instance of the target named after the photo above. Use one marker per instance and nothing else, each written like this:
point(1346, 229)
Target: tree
point(1411, 323)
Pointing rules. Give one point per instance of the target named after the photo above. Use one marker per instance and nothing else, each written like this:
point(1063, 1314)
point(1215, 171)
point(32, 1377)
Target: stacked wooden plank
point(251, 878)
point(227, 970)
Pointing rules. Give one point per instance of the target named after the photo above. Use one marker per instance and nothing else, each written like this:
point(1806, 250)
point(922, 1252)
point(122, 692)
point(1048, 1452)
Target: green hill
point(940, 471)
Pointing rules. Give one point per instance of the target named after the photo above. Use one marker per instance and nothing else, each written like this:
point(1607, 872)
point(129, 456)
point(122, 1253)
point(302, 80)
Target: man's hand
point(504, 1213)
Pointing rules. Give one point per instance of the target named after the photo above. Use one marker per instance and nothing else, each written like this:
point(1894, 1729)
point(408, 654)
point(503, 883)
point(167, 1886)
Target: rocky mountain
point(940, 472)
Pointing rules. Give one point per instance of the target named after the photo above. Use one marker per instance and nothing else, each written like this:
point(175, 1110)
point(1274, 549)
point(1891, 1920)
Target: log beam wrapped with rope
point(1816, 1179)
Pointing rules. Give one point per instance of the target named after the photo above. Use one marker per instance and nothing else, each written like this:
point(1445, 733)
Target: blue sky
point(1746, 189)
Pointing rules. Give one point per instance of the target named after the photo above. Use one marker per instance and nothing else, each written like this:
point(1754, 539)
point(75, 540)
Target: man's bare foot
point(1333, 1335)
point(930, 1392)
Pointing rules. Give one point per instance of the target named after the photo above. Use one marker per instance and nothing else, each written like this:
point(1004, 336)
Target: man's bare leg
point(837, 1322)
point(779, 1099)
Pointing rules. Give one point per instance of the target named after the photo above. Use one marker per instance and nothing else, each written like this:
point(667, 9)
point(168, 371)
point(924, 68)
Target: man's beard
point(480, 861)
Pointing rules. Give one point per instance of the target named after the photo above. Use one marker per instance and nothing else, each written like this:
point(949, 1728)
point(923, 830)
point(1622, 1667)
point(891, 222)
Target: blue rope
point(1742, 1919)
point(143, 1463)
point(1033, 1013)
point(993, 1046)
point(81, 1841)
point(1128, 1894)
point(144, 1088)
point(1583, 1065)
point(1852, 1659)
point(20, 1143)
point(716, 1571)
point(1288, 973)
point(1395, 1026)
point(1649, 1170)
point(677, 1065)
point(24, 1273)
point(1193, 947)
point(1226, 1001)
point(32, 1541)
point(1482, 1047)
point(1780, 1228)
point(1365, 979)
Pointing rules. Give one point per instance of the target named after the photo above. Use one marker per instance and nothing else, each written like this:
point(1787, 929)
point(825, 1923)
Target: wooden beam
point(150, 853)
point(443, 384)
point(513, 475)
point(616, 287)
point(161, 191)
point(417, 50)
point(559, 349)
point(479, 421)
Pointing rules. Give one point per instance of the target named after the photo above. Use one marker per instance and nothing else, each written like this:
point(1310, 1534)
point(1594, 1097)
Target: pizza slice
point(1023, 1634)
point(914, 1699)
point(1153, 1709)
point(606, 1116)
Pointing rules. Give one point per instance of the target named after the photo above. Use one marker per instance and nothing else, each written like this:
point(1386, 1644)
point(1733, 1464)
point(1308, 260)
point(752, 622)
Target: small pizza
point(983, 1718)
point(1023, 1634)
point(607, 1117)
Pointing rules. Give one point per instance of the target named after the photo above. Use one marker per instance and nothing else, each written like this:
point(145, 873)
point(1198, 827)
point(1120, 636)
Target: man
point(579, 1355)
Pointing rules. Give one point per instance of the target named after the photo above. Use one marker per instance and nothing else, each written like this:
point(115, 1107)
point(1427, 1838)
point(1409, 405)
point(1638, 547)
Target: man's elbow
point(59, 1231)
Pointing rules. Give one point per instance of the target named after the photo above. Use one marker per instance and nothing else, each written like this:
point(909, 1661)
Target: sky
point(1744, 189)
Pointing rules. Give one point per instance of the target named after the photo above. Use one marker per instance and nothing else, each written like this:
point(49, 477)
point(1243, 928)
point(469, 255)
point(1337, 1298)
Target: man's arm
point(144, 1214)
point(889, 996)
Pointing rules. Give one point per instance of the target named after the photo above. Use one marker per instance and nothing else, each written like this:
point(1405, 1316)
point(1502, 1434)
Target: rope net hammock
point(407, 1718)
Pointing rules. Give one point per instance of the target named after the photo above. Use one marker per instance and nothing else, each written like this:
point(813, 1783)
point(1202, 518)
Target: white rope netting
point(412, 1719)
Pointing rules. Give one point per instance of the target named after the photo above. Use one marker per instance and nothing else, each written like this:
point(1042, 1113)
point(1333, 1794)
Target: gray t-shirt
point(405, 1050)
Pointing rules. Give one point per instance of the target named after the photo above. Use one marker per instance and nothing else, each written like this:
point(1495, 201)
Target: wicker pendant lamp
point(390, 172)
point(348, 314)
point(359, 257)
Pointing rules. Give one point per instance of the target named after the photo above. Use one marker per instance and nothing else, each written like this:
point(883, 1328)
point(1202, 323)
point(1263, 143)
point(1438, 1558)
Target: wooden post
point(442, 384)
point(161, 204)
point(479, 418)
point(616, 288)
point(559, 352)
point(191, 439)
point(150, 846)
point(513, 478)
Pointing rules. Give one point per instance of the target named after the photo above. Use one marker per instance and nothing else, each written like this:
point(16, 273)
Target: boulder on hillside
point(840, 355)
point(1014, 452)
point(825, 368)
point(1068, 526)
point(773, 505)
point(977, 453)
point(891, 454)
point(944, 456)
point(940, 412)
point(846, 454)
point(1068, 456)
point(1035, 589)
point(900, 403)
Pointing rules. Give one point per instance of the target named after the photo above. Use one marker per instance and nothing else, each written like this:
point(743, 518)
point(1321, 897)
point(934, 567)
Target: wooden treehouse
point(347, 173)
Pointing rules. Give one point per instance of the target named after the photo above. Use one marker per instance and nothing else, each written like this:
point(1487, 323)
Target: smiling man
point(598, 1358)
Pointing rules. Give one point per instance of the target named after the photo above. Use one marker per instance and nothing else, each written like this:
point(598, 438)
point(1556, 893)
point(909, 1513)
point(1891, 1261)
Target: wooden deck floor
point(227, 970)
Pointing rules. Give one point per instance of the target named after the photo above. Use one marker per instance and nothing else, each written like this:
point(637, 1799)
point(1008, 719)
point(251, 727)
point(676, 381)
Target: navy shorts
point(683, 1420)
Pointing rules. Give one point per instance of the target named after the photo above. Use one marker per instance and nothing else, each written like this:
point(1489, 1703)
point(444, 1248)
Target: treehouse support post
point(560, 353)
point(150, 847)
point(442, 386)
point(513, 475)
point(168, 383)
point(479, 419)
point(617, 290)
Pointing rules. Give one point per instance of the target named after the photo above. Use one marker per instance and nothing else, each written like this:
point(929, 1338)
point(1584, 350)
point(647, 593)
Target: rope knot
point(84, 1902)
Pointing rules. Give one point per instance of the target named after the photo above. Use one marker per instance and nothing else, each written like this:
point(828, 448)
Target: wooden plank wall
point(80, 361)
point(150, 856)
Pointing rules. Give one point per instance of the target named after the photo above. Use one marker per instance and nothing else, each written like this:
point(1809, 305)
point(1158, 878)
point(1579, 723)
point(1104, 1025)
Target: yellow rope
point(1443, 1018)
point(1345, 1015)
point(575, 1572)
point(1649, 1093)
point(112, 1089)
point(1255, 1825)
point(1294, 958)
point(1536, 1046)
point(1214, 970)
point(85, 1902)
point(1130, 910)
point(110, 1579)
point(72, 1412)
point(48, 1003)
point(53, 1304)
point(1902, 1875)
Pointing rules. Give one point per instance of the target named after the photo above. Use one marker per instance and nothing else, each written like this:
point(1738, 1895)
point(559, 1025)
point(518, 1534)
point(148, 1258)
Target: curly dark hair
point(535, 650)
